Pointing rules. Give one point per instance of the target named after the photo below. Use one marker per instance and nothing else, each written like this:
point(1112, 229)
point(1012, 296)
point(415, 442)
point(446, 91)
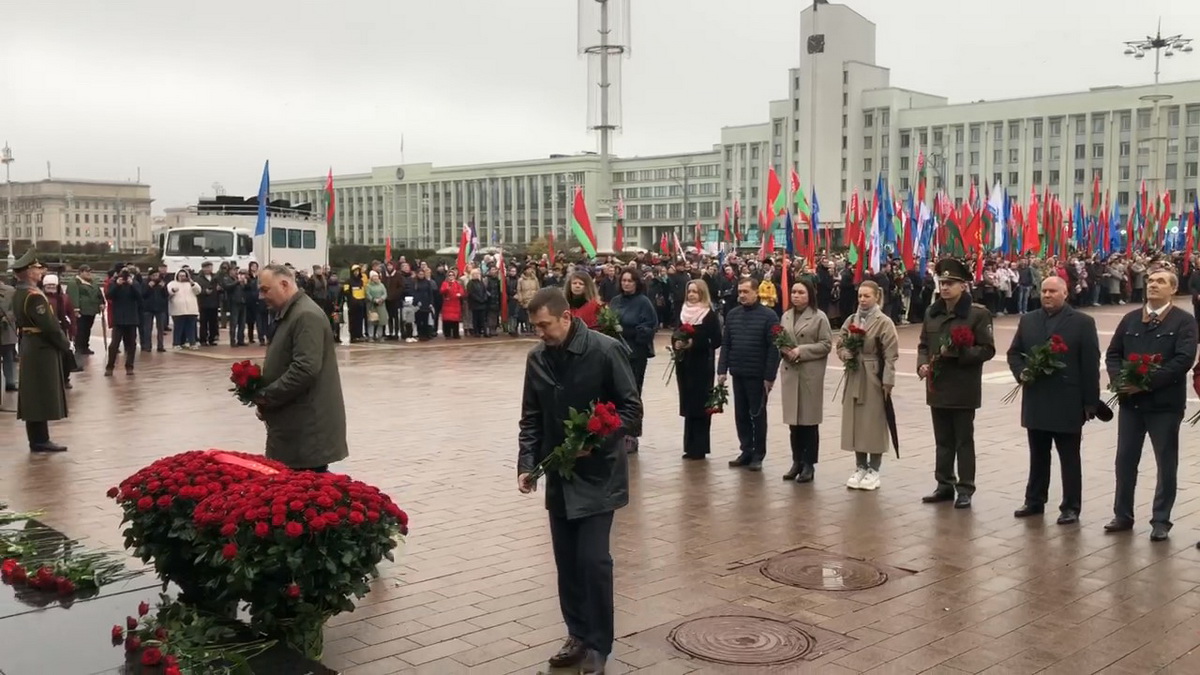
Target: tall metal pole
point(7, 158)
point(812, 109)
point(605, 191)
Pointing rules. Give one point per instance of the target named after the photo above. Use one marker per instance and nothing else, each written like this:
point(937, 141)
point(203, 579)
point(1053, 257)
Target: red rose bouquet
point(177, 639)
point(246, 377)
point(585, 431)
point(959, 338)
point(782, 339)
point(1041, 361)
point(75, 573)
point(158, 504)
point(685, 333)
point(718, 397)
point(852, 342)
point(1136, 371)
point(297, 547)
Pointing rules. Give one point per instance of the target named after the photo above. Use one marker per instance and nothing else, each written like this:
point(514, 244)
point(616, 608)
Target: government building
point(71, 211)
point(842, 126)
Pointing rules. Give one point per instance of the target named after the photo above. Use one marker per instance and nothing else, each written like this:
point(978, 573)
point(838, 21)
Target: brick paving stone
point(476, 577)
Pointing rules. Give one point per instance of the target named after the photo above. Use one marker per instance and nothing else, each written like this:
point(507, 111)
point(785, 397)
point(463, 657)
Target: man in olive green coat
point(88, 302)
point(301, 402)
point(954, 379)
point(42, 397)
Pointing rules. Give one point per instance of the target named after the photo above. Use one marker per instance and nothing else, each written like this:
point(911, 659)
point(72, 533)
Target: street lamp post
point(1161, 46)
point(6, 158)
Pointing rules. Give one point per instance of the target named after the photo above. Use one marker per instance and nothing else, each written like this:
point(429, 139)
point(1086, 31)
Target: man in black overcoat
point(574, 367)
point(1158, 328)
point(1055, 406)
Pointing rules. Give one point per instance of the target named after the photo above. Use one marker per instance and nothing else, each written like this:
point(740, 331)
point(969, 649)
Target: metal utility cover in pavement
point(820, 571)
point(741, 640)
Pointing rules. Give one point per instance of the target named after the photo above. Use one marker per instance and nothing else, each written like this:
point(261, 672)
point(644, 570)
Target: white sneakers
point(863, 479)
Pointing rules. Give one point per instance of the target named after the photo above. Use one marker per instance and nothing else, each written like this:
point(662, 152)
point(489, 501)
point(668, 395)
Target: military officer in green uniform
point(42, 398)
point(954, 377)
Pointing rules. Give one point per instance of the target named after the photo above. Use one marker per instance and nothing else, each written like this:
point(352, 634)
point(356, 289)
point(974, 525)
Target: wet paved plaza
point(474, 588)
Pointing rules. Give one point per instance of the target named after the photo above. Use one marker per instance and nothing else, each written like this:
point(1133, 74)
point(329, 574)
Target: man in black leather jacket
point(575, 367)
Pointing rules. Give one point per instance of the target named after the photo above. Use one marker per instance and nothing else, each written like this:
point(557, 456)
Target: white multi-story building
point(842, 126)
point(72, 211)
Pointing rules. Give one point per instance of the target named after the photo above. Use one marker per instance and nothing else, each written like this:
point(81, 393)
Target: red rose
point(160, 634)
point(262, 530)
point(132, 643)
point(962, 337)
point(229, 551)
point(255, 372)
point(595, 425)
point(18, 575)
point(1143, 369)
point(293, 529)
point(278, 520)
point(1135, 358)
point(292, 591)
point(145, 504)
point(152, 656)
point(172, 670)
point(228, 530)
point(113, 492)
point(1157, 358)
point(776, 329)
point(356, 518)
point(143, 608)
point(131, 623)
point(687, 329)
point(118, 633)
point(65, 586)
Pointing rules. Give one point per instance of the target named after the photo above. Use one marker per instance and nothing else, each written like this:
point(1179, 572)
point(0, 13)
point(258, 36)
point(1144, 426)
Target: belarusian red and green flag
point(581, 224)
point(329, 200)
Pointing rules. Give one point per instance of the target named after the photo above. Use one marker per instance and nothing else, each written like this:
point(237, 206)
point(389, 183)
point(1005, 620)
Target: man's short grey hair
point(281, 271)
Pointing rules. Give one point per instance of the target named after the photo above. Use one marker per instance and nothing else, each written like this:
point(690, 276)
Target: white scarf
point(694, 313)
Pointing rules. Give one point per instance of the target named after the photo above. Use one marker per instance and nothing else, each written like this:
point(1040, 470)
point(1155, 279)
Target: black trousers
point(697, 435)
point(585, 577)
point(37, 432)
point(424, 330)
point(806, 443)
point(954, 436)
point(638, 364)
point(450, 330)
point(210, 325)
point(479, 322)
point(358, 317)
point(127, 335)
point(1037, 489)
point(83, 333)
point(1132, 428)
point(750, 417)
point(393, 317)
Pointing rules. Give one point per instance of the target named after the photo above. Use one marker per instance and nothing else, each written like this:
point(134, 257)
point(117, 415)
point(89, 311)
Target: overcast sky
point(204, 92)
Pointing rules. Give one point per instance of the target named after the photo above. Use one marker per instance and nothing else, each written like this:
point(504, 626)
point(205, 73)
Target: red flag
point(784, 289)
point(463, 241)
point(1031, 240)
point(550, 246)
point(726, 224)
point(665, 245)
point(1191, 242)
point(619, 240)
point(737, 221)
point(387, 250)
point(699, 244)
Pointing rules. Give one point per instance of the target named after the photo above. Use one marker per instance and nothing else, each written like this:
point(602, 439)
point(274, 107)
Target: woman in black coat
point(638, 324)
point(695, 367)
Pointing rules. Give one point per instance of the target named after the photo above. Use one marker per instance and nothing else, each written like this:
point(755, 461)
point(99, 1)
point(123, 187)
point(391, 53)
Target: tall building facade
point(78, 212)
point(842, 126)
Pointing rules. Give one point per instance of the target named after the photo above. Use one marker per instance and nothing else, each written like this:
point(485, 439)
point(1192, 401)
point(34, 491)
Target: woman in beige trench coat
point(864, 425)
point(802, 377)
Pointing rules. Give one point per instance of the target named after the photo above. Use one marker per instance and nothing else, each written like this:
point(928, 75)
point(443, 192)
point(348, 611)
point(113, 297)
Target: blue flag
point(816, 211)
point(788, 237)
point(264, 189)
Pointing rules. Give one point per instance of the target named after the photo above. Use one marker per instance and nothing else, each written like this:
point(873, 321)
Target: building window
point(868, 142)
point(729, 153)
point(843, 164)
point(937, 137)
point(924, 139)
point(1037, 128)
point(1142, 170)
point(1190, 197)
point(904, 164)
point(1172, 146)
point(1126, 121)
point(1172, 171)
point(867, 184)
point(996, 178)
point(976, 133)
point(1173, 117)
point(1123, 198)
point(1190, 170)
point(1143, 119)
point(1078, 175)
point(958, 135)
point(884, 140)
point(1080, 125)
point(1055, 153)
point(885, 118)
point(958, 159)
point(974, 158)
point(1014, 130)
point(754, 173)
point(867, 165)
point(1055, 128)
point(1097, 150)
point(1193, 144)
point(1054, 176)
point(1013, 178)
point(1013, 156)
point(997, 156)
point(1097, 125)
point(1193, 117)
point(998, 131)
point(778, 150)
point(868, 120)
point(1124, 148)
point(777, 127)
point(904, 182)
point(1037, 176)
point(905, 139)
point(1123, 173)
point(958, 181)
point(1037, 154)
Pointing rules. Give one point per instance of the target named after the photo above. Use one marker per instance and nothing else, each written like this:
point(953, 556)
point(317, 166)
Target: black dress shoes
point(593, 663)
point(1068, 517)
point(963, 502)
point(937, 496)
point(1159, 533)
point(1115, 525)
point(792, 472)
point(754, 466)
point(46, 447)
point(1028, 510)
point(570, 654)
point(806, 474)
point(739, 463)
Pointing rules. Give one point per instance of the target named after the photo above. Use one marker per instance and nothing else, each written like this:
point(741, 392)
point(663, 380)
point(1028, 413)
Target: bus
point(222, 230)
